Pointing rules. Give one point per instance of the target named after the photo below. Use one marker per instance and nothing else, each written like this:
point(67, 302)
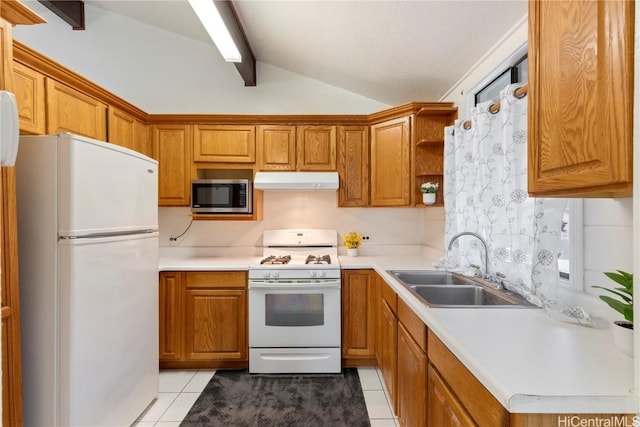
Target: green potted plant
point(429, 190)
point(622, 302)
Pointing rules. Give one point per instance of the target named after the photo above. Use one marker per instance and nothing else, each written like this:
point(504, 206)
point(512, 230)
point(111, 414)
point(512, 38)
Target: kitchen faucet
point(484, 244)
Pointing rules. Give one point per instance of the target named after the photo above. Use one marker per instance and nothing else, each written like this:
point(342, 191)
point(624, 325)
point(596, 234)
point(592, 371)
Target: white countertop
point(529, 362)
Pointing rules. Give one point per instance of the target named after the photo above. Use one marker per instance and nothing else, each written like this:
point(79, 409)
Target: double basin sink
point(445, 289)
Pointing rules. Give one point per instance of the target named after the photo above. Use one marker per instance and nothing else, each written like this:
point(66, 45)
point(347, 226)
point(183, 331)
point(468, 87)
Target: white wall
point(161, 72)
point(386, 227)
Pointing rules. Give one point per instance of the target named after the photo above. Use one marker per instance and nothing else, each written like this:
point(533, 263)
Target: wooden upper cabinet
point(316, 148)
point(127, 131)
point(122, 128)
point(353, 166)
point(580, 98)
point(29, 89)
point(171, 147)
point(224, 144)
point(69, 110)
point(143, 142)
point(391, 163)
point(276, 148)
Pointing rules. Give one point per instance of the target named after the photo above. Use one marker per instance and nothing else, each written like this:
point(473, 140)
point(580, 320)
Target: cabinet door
point(29, 88)
point(581, 98)
point(316, 148)
point(276, 148)
point(69, 110)
point(353, 166)
point(387, 349)
point(443, 408)
point(390, 163)
point(215, 324)
point(412, 381)
point(171, 293)
point(171, 145)
point(122, 128)
point(224, 144)
point(358, 317)
point(143, 142)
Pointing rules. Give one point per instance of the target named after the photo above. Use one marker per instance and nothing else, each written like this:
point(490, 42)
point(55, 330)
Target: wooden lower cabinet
point(443, 408)
point(203, 319)
point(412, 381)
point(358, 317)
point(171, 291)
point(386, 349)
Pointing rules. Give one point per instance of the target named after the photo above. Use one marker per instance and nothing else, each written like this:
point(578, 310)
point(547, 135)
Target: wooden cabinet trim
point(32, 59)
point(17, 13)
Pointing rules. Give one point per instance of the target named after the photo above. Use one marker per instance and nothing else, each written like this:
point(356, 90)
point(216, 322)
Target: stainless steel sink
point(430, 277)
point(459, 295)
point(445, 289)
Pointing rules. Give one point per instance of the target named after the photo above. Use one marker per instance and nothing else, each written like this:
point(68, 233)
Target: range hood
point(296, 181)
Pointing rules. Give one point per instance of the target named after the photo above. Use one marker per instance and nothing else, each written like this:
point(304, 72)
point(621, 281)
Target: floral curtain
point(485, 191)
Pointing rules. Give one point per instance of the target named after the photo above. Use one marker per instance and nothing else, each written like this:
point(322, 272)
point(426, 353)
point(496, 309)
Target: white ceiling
point(389, 51)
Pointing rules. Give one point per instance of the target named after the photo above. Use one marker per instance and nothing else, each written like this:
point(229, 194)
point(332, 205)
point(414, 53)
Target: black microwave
point(217, 196)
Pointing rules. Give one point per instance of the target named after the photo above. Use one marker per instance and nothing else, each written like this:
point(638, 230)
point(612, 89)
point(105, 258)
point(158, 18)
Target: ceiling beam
point(246, 68)
point(70, 11)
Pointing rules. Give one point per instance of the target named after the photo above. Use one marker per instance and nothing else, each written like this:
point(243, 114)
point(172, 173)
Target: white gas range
point(294, 303)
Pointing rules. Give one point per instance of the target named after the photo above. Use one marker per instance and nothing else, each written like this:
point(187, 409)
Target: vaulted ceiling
point(389, 51)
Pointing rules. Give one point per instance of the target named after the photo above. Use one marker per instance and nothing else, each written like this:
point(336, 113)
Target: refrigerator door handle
point(104, 235)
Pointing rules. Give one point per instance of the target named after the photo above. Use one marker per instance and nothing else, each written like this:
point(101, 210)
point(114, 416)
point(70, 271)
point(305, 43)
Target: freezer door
point(104, 188)
point(108, 329)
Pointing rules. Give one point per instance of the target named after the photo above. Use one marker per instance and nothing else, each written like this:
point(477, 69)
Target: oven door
point(294, 313)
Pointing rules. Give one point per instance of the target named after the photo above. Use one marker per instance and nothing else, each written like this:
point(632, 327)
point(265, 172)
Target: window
point(516, 73)
point(515, 70)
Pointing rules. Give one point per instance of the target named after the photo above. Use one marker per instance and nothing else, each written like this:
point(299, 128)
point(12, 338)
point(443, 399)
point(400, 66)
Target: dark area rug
point(237, 398)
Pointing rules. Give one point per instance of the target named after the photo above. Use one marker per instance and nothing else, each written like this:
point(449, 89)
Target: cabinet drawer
point(476, 399)
point(390, 296)
point(413, 324)
point(218, 279)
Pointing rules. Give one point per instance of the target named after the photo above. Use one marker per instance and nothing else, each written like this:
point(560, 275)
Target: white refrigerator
point(88, 255)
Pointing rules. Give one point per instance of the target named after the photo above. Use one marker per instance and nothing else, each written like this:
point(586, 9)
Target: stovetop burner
point(279, 260)
point(313, 259)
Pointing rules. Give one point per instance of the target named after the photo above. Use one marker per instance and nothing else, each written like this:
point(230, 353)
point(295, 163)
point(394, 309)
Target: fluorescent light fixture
point(213, 23)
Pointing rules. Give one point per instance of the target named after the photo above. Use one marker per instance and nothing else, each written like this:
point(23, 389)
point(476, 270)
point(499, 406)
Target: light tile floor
point(179, 390)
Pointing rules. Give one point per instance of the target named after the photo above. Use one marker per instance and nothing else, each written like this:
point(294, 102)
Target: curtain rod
point(519, 93)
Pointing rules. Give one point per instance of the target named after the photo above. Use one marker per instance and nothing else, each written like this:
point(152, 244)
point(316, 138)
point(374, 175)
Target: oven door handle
point(294, 286)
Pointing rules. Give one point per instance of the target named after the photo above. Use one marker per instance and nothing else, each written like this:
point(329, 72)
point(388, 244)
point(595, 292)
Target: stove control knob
point(275, 274)
point(312, 274)
point(266, 274)
point(322, 274)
